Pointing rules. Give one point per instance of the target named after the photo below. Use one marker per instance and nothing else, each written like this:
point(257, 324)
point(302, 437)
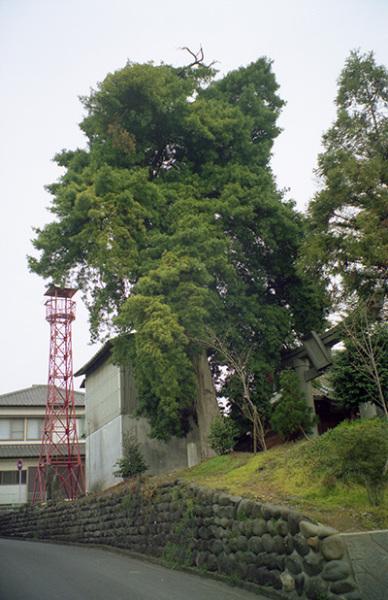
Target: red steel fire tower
point(60, 470)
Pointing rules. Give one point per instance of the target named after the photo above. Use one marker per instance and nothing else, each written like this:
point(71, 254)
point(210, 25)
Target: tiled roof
point(26, 450)
point(36, 395)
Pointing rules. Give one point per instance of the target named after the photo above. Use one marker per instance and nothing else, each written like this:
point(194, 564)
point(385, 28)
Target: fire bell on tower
point(60, 470)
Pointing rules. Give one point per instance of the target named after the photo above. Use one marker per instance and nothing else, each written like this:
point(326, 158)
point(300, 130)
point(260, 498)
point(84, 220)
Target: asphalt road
point(40, 571)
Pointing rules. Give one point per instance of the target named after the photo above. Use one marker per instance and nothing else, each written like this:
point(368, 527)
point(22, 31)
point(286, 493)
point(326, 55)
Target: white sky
point(52, 51)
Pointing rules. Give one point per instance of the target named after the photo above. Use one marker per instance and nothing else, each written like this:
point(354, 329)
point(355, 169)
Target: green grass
point(288, 475)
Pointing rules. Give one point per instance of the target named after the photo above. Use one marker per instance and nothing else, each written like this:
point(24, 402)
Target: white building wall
point(103, 426)
point(9, 494)
point(103, 448)
point(102, 388)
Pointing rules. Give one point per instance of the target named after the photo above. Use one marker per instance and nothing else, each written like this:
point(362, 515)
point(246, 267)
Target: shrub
point(132, 462)
point(223, 432)
point(356, 452)
point(291, 415)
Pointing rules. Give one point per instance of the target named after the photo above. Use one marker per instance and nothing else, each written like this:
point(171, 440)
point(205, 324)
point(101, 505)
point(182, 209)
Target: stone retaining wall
point(270, 546)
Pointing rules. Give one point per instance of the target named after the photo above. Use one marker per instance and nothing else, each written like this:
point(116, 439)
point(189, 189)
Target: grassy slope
point(285, 476)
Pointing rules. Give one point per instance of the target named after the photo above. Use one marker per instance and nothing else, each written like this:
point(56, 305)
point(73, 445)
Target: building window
point(11, 429)
point(12, 477)
point(34, 429)
point(81, 428)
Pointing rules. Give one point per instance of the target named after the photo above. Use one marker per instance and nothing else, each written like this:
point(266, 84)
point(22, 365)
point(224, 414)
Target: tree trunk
point(206, 406)
point(376, 376)
point(300, 366)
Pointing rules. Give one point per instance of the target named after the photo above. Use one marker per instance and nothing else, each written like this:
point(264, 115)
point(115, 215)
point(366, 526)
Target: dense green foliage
point(356, 452)
point(348, 216)
point(291, 416)
point(132, 462)
point(353, 375)
point(223, 432)
point(171, 224)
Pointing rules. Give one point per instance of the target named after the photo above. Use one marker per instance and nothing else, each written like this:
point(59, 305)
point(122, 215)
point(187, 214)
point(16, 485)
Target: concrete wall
point(162, 457)
point(111, 405)
point(271, 547)
point(103, 449)
point(103, 426)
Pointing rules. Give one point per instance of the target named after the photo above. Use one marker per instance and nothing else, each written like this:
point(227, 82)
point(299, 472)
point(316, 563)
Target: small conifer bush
point(223, 432)
point(132, 462)
point(291, 415)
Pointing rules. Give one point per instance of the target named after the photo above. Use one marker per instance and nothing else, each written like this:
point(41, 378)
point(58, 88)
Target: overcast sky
point(53, 51)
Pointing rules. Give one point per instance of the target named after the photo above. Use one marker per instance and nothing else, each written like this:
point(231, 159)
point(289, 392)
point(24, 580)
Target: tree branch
point(198, 57)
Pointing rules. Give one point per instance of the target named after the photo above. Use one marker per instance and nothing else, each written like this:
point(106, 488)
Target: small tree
point(132, 462)
point(223, 432)
point(291, 415)
point(360, 372)
point(238, 364)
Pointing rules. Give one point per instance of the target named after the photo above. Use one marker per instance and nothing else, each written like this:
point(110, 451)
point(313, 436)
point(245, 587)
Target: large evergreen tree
point(171, 224)
point(348, 216)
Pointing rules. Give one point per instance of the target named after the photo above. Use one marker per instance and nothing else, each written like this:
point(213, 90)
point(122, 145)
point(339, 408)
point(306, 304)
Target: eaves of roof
point(96, 360)
point(27, 450)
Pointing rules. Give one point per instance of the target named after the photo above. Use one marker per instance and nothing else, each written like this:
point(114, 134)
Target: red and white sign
point(19, 464)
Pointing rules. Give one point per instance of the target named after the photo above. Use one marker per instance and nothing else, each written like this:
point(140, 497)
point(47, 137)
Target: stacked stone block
point(269, 546)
